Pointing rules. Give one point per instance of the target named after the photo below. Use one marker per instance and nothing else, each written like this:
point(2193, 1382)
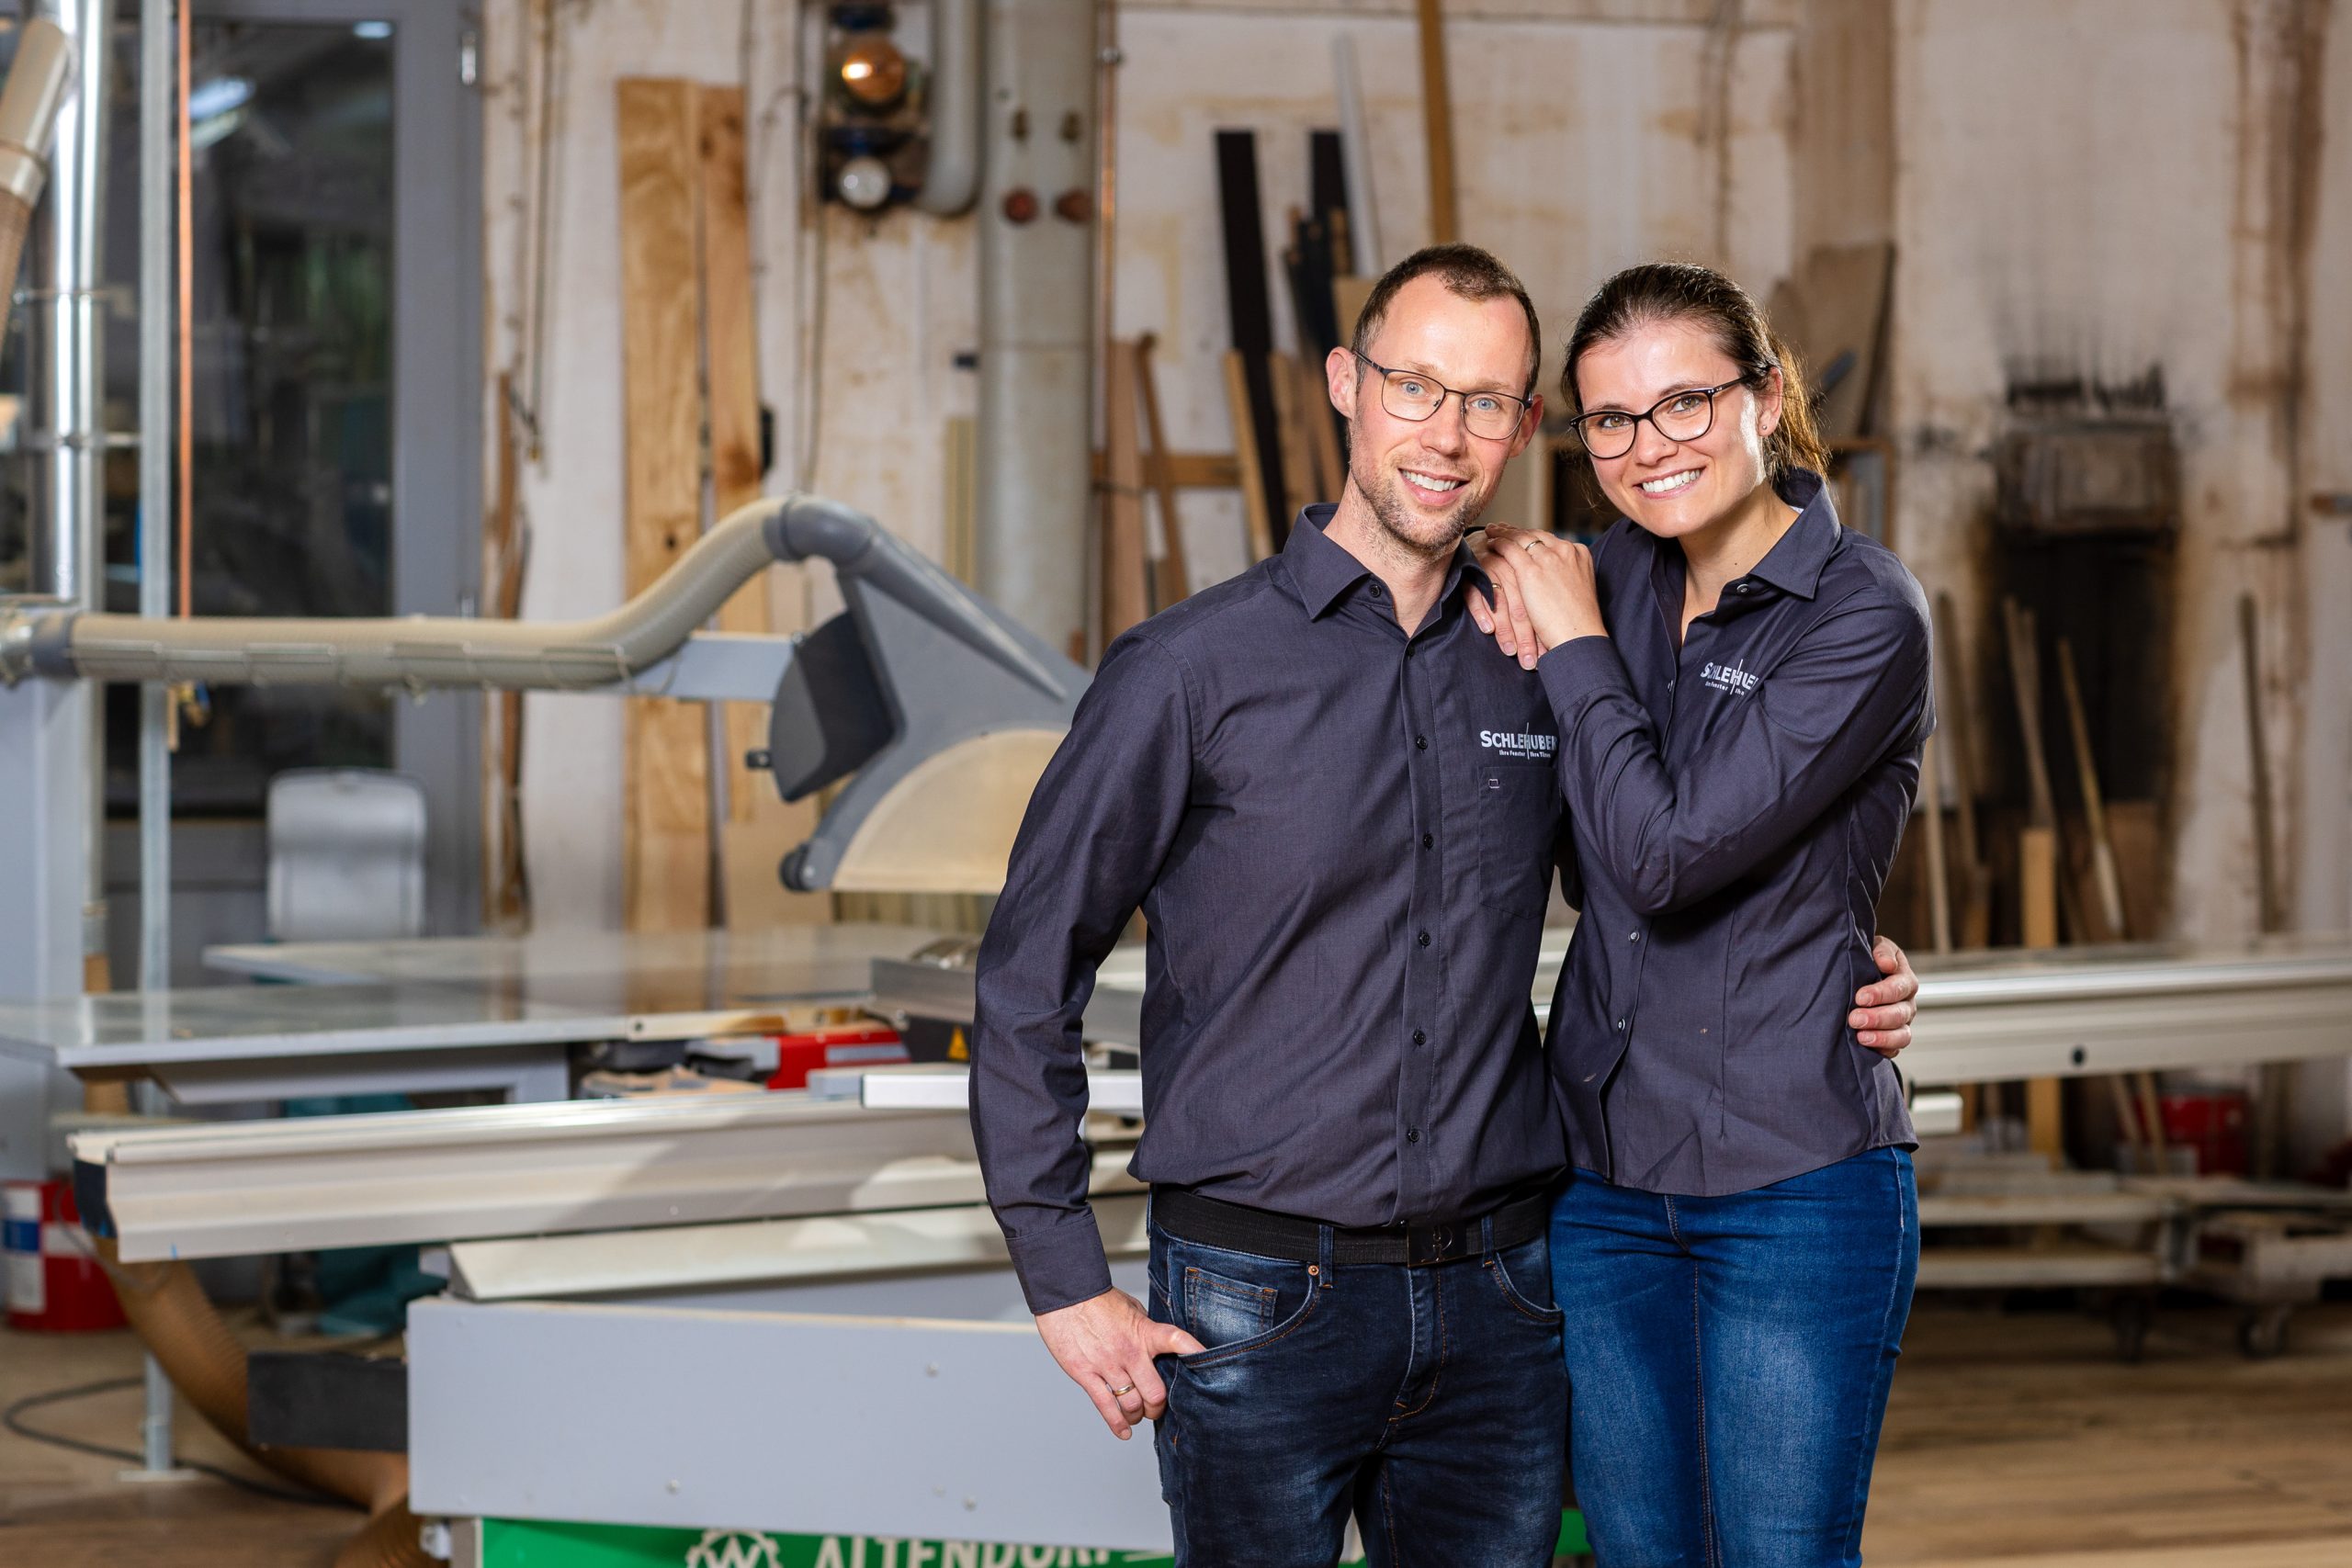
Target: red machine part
point(848, 1046)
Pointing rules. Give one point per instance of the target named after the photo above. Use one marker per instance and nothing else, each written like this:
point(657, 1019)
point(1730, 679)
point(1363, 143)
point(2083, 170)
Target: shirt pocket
point(1518, 816)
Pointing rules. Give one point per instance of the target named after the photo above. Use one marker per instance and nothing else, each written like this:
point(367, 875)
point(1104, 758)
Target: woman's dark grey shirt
point(1735, 804)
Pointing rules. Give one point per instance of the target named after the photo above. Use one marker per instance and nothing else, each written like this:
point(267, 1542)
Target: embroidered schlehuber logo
point(1518, 742)
point(1730, 678)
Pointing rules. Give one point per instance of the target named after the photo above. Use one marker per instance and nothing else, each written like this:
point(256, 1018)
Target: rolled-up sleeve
point(1098, 827)
point(1853, 688)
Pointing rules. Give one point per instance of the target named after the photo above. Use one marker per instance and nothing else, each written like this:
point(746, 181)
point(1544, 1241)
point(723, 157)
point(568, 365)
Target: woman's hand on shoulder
point(1547, 591)
point(1504, 617)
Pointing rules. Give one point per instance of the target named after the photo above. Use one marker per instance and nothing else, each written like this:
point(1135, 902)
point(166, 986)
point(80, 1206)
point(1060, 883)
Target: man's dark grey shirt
point(1342, 841)
point(1736, 805)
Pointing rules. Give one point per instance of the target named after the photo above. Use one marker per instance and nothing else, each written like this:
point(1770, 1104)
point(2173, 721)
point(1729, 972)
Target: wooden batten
point(1437, 124)
point(1297, 465)
point(1125, 590)
point(1171, 578)
point(1248, 460)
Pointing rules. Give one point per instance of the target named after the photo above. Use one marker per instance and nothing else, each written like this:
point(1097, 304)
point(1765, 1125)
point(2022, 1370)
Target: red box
point(55, 1282)
point(2213, 1124)
point(848, 1046)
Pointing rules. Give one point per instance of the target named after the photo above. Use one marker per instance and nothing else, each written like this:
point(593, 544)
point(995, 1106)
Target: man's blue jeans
point(1431, 1402)
point(1729, 1361)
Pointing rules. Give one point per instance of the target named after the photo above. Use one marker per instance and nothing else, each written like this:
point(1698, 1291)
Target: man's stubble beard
point(1389, 509)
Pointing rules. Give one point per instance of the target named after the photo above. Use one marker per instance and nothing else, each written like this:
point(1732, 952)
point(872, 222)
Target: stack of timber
point(1289, 441)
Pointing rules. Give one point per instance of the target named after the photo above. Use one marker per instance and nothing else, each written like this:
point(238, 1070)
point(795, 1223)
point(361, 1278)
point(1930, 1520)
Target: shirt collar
point(1323, 572)
point(1794, 564)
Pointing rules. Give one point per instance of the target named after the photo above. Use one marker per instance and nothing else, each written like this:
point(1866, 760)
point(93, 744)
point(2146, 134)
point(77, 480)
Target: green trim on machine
point(530, 1543)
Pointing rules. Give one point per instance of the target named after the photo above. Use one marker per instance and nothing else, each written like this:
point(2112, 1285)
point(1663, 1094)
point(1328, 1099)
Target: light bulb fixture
point(871, 71)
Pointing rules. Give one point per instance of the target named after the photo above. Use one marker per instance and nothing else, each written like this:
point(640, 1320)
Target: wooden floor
point(61, 1509)
point(2012, 1440)
point(2018, 1439)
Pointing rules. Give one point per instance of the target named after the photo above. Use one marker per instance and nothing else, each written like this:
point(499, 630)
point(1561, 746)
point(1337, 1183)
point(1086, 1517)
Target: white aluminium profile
point(770, 1252)
point(506, 1170)
point(2096, 1014)
point(928, 1086)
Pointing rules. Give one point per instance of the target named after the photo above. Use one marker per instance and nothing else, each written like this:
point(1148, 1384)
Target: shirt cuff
point(1578, 673)
point(1061, 1265)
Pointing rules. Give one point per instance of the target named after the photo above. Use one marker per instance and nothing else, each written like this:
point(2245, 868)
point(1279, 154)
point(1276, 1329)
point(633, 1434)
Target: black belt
point(1211, 1221)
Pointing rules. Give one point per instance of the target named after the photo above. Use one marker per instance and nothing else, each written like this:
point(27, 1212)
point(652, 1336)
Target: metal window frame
point(436, 398)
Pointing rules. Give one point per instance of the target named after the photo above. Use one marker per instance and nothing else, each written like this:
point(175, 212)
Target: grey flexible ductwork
point(422, 652)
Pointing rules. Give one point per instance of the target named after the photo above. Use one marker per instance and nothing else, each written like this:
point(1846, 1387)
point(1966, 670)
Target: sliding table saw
point(785, 1286)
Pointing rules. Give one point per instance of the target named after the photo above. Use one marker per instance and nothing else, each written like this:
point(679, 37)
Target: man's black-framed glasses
point(1608, 433)
point(1408, 394)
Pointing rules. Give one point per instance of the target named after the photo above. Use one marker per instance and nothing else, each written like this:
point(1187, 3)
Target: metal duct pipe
point(953, 175)
point(157, 177)
point(420, 652)
point(1036, 322)
point(66, 395)
point(29, 106)
point(68, 402)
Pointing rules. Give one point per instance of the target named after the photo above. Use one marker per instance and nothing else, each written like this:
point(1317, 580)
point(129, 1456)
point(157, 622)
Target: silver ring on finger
point(1528, 544)
point(1121, 1392)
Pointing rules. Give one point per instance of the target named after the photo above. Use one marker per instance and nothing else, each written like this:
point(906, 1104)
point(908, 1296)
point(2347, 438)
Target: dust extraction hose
point(420, 652)
point(29, 106)
point(207, 1364)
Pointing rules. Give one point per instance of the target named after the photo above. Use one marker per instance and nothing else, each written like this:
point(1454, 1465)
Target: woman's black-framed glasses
point(1408, 394)
point(1608, 433)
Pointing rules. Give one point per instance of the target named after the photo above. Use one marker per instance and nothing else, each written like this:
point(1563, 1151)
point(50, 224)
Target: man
point(1333, 801)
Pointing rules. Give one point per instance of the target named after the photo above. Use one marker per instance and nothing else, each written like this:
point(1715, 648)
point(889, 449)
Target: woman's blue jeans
point(1729, 1361)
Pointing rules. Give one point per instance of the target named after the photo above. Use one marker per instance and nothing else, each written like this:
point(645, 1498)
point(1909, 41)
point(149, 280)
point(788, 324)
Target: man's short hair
point(1468, 272)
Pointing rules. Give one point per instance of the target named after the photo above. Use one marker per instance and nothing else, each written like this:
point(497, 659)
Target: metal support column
point(156, 64)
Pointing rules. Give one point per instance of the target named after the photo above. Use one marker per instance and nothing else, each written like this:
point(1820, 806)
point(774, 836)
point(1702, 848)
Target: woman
point(1742, 691)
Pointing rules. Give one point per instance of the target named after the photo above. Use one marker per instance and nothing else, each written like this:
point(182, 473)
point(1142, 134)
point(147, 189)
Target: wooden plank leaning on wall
point(755, 826)
point(665, 792)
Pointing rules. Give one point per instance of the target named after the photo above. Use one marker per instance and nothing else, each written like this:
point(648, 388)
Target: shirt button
point(1412, 1134)
point(1632, 936)
point(1376, 591)
point(1621, 1026)
point(1428, 843)
point(1420, 1038)
point(1420, 742)
point(1669, 685)
point(1423, 939)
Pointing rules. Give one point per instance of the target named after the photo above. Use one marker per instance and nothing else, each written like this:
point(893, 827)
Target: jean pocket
point(1533, 1263)
point(1240, 1304)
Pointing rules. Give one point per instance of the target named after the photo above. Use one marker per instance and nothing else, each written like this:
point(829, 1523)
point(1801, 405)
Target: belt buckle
point(1426, 1245)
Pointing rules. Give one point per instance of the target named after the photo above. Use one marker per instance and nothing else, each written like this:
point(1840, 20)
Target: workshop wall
point(2076, 189)
point(2060, 216)
point(1588, 134)
point(2105, 193)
